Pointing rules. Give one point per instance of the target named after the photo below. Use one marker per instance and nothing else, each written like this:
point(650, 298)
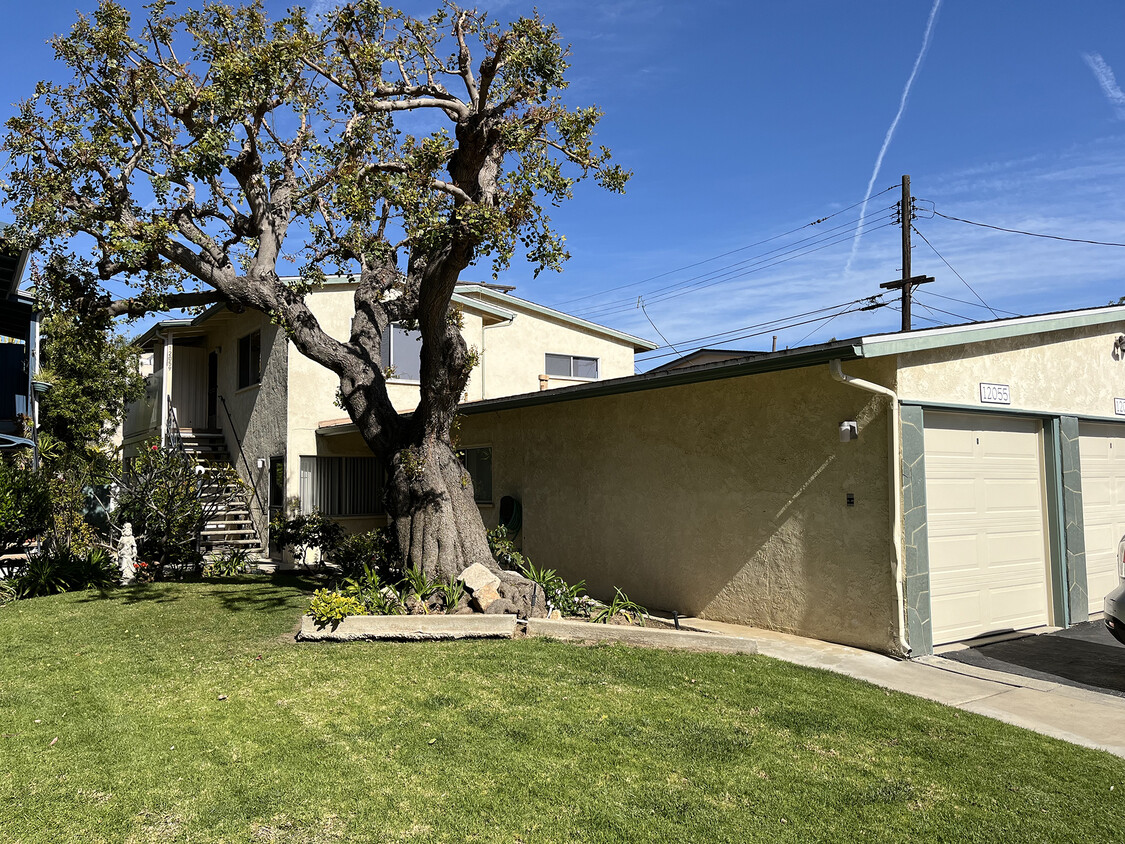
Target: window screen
point(478, 463)
point(402, 349)
point(570, 366)
point(250, 359)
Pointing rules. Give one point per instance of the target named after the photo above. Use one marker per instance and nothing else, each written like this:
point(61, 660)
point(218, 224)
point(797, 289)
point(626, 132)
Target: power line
point(725, 254)
point(779, 324)
point(1029, 234)
point(934, 248)
point(734, 275)
point(730, 269)
point(950, 313)
point(973, 304)
point(769, 325)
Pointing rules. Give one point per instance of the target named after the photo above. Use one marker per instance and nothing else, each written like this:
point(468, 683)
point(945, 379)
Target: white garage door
point(985, 518)
point(1102, 452)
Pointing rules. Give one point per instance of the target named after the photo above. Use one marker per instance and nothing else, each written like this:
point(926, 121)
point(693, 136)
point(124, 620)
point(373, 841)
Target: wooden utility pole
point(908, 282)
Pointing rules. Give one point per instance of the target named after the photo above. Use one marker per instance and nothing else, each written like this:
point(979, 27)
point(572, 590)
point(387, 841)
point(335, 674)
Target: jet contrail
point(1104, 74)
point(891, 131)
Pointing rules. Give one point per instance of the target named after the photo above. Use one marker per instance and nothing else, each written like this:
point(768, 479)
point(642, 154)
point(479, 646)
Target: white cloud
point(1104, 74)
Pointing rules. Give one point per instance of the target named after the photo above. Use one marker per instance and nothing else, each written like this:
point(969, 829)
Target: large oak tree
point(196, 154)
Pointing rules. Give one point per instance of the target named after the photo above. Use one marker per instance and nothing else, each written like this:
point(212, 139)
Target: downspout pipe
point(895, 490)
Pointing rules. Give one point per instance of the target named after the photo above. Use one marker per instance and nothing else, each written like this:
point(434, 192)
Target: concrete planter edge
point(409, 628)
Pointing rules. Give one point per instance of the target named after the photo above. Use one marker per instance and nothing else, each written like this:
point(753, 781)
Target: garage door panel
point(961, 613)
point(1009, 549)
point(947, 495)
point(1102, 457)
point(1018, 605)
point(985, 519)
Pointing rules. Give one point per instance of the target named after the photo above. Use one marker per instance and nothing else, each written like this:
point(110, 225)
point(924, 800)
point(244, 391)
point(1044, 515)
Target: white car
point(1115, 600)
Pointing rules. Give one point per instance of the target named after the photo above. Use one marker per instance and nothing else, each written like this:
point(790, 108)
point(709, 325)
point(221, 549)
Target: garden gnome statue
point(127, 554)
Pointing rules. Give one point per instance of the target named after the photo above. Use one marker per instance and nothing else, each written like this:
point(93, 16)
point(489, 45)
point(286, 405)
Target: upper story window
point(572, 366)
point(250, 359)
point(402, 350)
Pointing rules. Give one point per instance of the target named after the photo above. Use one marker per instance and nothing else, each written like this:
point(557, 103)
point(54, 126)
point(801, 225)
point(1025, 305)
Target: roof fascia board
point(498, 300)
point(153, 331)
point(956, 335)
point(774, 362)
point(484, 307)
point(639, 344)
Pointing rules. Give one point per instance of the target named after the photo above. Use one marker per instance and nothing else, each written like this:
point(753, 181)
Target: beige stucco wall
point(512, 358)
point(514, 354)
point(1073, 372)
point(725, 499)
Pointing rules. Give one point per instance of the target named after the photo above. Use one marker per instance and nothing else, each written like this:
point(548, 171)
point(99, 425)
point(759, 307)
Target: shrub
point(557, 593)
point(633, 612)
point(360, 551)
point(25, 506)
point(228, 563)
point(59, 568)
point(333, 607)
point(8, 592)
point(504, 551)
point(305, 531)
point(451, 592)
point(162, 496)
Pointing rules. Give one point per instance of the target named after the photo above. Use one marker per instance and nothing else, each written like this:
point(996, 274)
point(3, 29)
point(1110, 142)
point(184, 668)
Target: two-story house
point(231, 385)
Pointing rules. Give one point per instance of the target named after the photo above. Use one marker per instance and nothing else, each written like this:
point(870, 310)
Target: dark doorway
point(276, 497)
point(213, 391)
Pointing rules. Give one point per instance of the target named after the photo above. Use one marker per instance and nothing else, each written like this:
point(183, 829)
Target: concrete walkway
point(1075, 715)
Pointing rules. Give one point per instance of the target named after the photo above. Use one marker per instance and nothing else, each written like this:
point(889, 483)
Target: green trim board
point(881, 345)
point(1074, 534)
point(1066, 542)
point(1056, 522)
point(915, 546)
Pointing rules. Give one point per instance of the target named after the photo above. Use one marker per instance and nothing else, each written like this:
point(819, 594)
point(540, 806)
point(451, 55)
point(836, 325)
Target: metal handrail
point(173, 428)
point(242, 454)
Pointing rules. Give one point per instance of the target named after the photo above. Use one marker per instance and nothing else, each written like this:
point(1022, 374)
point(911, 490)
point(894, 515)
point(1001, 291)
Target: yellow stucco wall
point(1074, 372)
point(725, 499)
point(514, 354)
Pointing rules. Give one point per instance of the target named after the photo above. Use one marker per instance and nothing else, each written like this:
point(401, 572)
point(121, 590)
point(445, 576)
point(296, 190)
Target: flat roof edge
point(953, 335)
point(668, 378)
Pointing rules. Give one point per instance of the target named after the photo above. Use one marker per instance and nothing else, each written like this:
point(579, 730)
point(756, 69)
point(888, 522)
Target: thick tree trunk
point(437, 526)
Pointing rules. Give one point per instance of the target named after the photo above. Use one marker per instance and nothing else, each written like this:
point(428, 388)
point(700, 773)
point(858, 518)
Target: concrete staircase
point(228, 523)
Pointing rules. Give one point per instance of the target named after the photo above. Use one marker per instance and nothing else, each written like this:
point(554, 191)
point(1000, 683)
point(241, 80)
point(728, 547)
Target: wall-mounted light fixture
point(261, 462)
point(849, 430)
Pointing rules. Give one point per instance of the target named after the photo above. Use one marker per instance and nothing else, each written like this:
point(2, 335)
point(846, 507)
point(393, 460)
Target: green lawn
point(523, 741)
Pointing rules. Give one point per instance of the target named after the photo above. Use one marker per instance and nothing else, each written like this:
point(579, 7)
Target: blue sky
point(746, 120)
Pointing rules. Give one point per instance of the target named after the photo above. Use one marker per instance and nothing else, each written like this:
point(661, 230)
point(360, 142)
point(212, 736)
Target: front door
point(276, 497)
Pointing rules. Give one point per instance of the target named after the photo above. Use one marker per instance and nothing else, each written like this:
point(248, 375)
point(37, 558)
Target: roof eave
point(772, 362)
point(954, 335)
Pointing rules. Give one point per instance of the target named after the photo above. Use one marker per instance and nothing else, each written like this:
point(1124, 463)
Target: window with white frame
point(571, 366)
point(402, 350)
point(250, 359)
point(341, 486)
point(478, 463)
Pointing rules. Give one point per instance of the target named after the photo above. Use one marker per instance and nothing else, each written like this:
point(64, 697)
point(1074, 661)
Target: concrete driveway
point(1085, 656)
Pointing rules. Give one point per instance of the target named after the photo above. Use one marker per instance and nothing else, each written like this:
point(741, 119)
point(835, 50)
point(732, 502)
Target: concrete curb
point(409, 628)
point(583, 631)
